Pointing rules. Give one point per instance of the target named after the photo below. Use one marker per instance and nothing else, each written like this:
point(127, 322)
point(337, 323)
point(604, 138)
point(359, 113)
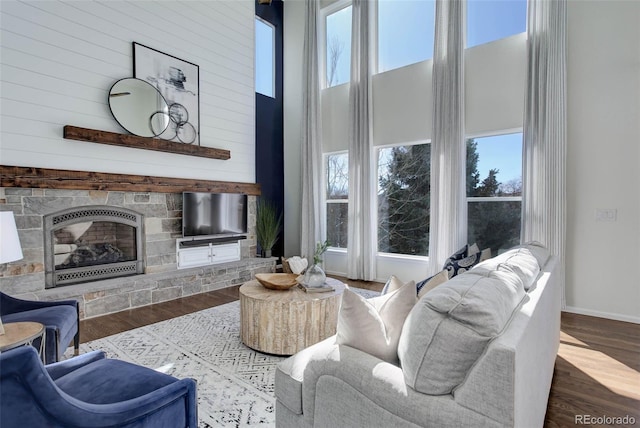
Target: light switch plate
point(606, 214)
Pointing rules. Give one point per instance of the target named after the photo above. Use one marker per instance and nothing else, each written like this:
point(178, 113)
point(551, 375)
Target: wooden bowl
point(277, 281)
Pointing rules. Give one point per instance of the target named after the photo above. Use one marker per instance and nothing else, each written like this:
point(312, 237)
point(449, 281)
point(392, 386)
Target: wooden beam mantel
point(28, 177)
point(133, 141)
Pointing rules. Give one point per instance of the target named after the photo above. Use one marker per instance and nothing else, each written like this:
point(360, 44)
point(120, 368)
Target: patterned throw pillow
point(456, 267)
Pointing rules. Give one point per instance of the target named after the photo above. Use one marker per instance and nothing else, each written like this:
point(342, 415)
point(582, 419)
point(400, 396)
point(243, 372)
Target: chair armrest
point(57, 370)
point(10, 305)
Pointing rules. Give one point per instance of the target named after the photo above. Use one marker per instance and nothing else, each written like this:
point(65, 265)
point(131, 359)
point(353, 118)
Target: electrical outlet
point(606, 214)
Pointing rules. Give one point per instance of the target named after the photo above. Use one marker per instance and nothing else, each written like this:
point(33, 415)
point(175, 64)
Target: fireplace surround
point(161, 227)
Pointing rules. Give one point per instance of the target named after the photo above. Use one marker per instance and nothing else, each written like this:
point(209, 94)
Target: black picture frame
point(179, 83)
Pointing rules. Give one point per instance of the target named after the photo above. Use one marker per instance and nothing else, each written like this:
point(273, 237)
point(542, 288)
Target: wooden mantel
point(133, 141)
point(28, 177)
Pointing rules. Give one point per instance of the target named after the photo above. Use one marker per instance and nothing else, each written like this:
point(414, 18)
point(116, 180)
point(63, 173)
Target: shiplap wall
point(59, 59)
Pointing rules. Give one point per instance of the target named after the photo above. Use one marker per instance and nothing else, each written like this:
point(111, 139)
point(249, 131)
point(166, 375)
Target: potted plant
point(268, 224)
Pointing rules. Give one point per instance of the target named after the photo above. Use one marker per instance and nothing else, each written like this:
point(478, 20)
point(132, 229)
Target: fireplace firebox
point(90, 243)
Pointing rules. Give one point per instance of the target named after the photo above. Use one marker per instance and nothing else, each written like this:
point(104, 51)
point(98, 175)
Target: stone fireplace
point(61, 242)
point(90, 243)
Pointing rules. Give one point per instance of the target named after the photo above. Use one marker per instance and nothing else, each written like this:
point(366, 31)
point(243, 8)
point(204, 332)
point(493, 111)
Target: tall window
point(265, 58)
point(405, 32)
point(403, 199)
point(494, 191)
point(338, 45)
point(336, 196)
point(489, 20)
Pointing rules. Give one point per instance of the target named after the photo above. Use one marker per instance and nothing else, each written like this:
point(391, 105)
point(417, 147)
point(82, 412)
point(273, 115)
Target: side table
point(283, 322)
point(22, 333)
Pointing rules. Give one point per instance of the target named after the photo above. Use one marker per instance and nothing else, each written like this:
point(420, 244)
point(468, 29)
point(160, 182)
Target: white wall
point(604, 158)
point(59, 60)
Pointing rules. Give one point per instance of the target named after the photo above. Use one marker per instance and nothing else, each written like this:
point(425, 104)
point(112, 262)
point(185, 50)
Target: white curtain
point(361, 245)
point(312, 209)
point(448, 225)
point(545, 128)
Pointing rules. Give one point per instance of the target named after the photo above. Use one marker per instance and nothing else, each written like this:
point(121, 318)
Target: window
point(494, 191)
point(409, 42)
point(489, 20)
point(338, 46)
point(403, 199)
point(336, 196)
point(265, 58)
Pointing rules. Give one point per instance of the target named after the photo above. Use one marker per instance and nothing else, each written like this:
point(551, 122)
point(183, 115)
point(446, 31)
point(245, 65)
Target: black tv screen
point(210, 214)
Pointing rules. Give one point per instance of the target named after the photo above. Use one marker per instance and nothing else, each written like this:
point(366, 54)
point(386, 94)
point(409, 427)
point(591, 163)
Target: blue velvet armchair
point(60, 318)
point(91, 391)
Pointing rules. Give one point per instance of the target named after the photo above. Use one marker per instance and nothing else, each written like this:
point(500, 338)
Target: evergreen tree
point(403, 202)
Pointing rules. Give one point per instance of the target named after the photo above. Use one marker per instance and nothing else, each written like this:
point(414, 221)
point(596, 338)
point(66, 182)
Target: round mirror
point(139, 107)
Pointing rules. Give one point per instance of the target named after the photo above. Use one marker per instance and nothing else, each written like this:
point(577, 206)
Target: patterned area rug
point(235, 383)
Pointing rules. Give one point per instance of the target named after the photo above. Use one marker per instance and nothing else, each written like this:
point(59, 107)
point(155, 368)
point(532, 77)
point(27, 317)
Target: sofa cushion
point(449, 328)
point(374, 325)
point(525, 261)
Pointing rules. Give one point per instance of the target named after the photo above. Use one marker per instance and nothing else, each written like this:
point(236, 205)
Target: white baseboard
point(599, 314)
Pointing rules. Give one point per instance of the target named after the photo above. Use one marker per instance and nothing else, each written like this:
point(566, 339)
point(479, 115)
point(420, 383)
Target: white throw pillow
point(434, 281)
point(392, 284)
point(374, 325)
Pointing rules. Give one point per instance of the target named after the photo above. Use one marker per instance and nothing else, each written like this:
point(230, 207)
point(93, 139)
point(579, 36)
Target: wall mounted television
point(214, 214)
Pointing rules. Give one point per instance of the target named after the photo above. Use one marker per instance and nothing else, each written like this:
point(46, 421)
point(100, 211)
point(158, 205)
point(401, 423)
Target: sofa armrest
point(57, 370)
point(301, 384)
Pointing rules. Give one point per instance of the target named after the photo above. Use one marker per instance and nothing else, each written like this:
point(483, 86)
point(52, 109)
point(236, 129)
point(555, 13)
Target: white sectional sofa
point(476, 351)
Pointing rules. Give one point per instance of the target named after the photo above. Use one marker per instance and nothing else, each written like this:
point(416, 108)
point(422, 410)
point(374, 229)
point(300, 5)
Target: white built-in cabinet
point(207, 254)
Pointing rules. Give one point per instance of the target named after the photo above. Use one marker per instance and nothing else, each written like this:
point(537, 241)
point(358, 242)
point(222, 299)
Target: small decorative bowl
point(277, 281)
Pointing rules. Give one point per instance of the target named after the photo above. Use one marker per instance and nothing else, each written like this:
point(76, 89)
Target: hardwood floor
point(597, 372)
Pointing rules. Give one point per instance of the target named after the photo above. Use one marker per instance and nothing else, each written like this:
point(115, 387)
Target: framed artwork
point(179, 83)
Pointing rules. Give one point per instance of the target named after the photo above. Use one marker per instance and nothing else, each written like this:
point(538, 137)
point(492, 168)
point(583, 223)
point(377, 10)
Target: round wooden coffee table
point(285, 322)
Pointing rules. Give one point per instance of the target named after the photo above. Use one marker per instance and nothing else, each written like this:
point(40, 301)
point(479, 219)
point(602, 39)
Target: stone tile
point(108, 304)
point(22, 284)
point(152, 226)
point(194, 287)
point(29, 222)
point(99, 195)
point(94, 295)
point(173, 225)
point(46, 205)
point(179, 281)
point(16, 208)
point(13, 199)
point(61, 193)
point(174, 201)
point(31, 238)
point(165, 294)
point(157, 248)
point(141, 198)
point(17, 191)
point(140, 298)
point(37, 192)
point(116, 198)
point(150, 210)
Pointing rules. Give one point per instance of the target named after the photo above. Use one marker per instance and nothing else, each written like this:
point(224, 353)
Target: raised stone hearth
point(160, 281)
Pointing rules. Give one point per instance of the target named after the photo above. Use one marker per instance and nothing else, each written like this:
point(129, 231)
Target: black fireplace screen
point(90, 243)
